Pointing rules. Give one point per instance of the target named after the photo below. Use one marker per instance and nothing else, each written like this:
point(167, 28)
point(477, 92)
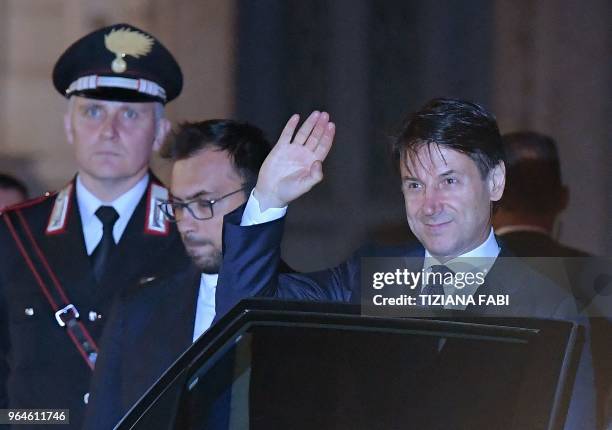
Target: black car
point(295, 365)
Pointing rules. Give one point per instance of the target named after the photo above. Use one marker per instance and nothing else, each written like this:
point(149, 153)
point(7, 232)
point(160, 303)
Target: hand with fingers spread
point(293, 167)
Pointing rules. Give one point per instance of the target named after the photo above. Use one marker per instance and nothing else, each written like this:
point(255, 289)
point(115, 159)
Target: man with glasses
point(216, 164)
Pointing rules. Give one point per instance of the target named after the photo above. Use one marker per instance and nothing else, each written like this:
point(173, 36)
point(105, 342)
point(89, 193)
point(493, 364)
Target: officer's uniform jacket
point(41, 365)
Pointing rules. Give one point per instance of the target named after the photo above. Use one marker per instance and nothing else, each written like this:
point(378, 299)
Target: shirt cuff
point(253, 215)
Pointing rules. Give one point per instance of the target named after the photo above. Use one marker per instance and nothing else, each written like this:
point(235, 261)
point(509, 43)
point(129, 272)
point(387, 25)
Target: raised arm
point(251, 242)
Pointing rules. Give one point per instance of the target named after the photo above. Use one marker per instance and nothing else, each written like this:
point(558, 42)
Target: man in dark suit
point(451, 161)
point(65, 255)
point(215, 167)
point(525, 220)
point(534, 197)
point(452, 168)
point(526, 216)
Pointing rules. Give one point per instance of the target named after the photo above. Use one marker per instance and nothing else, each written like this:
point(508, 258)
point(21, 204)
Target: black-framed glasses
point(198, 208)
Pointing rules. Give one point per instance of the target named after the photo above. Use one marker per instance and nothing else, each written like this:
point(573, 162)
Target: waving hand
point(294, 165)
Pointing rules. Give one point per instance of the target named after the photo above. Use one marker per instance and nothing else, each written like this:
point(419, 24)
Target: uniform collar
point(124, 204)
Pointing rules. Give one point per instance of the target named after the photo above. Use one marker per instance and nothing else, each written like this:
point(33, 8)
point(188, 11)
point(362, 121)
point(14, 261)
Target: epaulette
point(58, 219)
point(155, 221)
point(29, 202)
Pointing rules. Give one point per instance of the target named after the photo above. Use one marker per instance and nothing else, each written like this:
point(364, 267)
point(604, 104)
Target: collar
point(478, 260)
point(481, 257)
point(124, 204)
point(521, 228)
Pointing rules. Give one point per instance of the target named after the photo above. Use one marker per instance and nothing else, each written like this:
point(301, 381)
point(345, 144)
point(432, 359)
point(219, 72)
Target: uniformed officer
point(63, 256)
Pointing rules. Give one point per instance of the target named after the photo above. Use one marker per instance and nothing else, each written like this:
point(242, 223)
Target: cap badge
point(124, 41)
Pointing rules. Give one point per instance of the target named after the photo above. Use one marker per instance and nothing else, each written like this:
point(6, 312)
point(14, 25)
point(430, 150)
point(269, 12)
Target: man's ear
point(68, 128)
point(496, 181)
point(163, 128)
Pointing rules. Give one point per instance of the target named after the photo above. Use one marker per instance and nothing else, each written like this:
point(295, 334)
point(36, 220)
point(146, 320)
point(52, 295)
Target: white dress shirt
point(205, 308)
point(479, 259)
point(254, 215)
point(124, 205)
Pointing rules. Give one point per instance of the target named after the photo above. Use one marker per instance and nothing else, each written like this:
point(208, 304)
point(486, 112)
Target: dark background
point(371, 63)
point(543, 65)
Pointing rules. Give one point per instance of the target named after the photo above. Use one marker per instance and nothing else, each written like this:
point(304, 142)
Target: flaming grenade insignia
point(124, 41)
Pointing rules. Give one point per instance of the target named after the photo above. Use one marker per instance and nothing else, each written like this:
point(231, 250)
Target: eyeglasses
point(200, 209)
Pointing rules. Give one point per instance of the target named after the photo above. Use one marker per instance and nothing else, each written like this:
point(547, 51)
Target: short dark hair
point(533, 173)
point(456, 124)
point(245, 143)
point(8, 182)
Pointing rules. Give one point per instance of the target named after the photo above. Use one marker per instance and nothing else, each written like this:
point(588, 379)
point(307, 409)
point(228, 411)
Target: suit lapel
point(414, 262)
point(498, 280)
point(164, 331)
point(175, 315)
point(183, 317)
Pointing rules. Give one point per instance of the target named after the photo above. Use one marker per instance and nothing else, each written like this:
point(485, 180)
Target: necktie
point(435, 286)
point(101, 255)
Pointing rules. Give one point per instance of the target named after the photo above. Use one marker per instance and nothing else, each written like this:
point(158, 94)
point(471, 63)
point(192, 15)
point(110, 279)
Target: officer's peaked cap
point(120, 62)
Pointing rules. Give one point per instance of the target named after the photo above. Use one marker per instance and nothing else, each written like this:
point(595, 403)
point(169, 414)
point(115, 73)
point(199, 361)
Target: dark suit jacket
point(44, 368)
point(573, 266)
point(149, 328)
point(563, 265)
point(535, 244)
point(250, 261)
point(147, 331)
